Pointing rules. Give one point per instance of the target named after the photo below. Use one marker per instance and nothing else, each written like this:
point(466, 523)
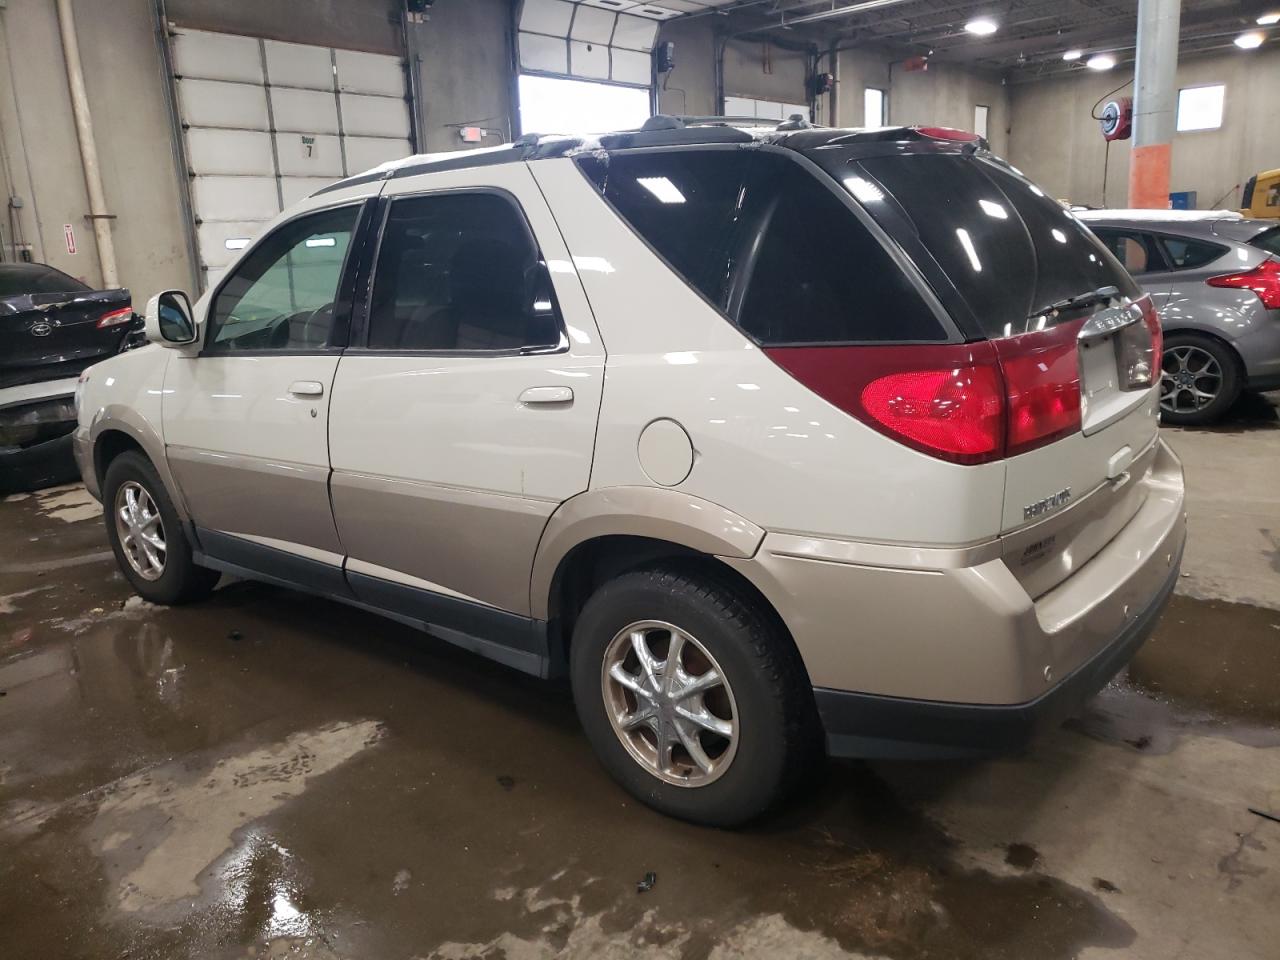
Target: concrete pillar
point(1154, 102)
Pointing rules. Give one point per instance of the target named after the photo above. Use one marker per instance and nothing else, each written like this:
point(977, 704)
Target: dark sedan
point(52, 327)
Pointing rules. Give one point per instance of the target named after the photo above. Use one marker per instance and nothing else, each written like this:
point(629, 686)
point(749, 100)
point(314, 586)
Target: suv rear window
point(768, 244)
point(1009, 249)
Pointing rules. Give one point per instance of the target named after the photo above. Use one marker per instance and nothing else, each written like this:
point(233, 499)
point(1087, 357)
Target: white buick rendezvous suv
point(764, 439)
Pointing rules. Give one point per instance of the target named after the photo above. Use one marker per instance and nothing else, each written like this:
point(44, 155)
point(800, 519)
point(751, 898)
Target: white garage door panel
point(212, 239)
point(216, 103)
point(364, 153)
point(229, 152)
point(304, 111)
point(374, 116)
point(588, 60)
point(592, 26)
point(234, 198)
point(631, 67)
point(299, 65)
point(217, 56)
point(546, 16)
point(369, 73)
point(293, 189)
point(267, 123)
point(543, 53)
point(309, 155)
point(635, 33)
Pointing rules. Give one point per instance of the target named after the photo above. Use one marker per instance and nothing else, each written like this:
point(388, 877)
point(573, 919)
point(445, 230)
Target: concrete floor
point(269, 775)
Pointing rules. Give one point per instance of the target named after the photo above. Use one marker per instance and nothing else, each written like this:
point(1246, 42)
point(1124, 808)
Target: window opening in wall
point(1200, 108)
point(875, 107)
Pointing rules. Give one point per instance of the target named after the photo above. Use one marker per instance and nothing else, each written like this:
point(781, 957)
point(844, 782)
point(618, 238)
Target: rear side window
point(1187, 254)
point(816, 274)
point(460, 271)
point(685, 205)
point(1010, 250)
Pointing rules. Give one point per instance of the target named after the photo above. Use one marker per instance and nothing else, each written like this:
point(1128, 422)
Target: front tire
point(147, 536)
point(1200, 379)
point(692, 695)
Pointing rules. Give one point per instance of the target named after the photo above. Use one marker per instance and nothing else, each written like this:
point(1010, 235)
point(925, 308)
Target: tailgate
point(1023, 270)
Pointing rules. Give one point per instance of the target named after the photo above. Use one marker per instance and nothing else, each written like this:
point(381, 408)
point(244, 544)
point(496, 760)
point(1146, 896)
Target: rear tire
point(736, 747)
point(1201, 377)
point(147, 536)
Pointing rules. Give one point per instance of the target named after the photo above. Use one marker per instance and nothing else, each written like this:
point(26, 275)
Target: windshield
point(1016, 256)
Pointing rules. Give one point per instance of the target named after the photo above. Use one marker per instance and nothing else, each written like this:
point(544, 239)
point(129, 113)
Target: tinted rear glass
point(1187, 254)
point(1010, 250)
point(684, 204)
point(768, 243)
point(817, 274)
point(1268, 240)
point(24, 278)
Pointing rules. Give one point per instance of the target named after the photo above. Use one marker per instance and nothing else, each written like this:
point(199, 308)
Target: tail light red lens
point(958, 412)
point(1042, 383)
point(114, 318)
point(967, 403)
point(1264, 280)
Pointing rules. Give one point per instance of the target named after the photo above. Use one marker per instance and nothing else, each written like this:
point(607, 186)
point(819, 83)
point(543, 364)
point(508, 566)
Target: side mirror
point(169, 320)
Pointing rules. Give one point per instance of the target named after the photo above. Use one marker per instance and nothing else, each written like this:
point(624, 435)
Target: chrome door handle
point(547, 395)
point(307, 388)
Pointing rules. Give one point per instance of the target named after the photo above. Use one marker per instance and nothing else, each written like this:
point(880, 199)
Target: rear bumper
point(869, 726)
point(943, 652)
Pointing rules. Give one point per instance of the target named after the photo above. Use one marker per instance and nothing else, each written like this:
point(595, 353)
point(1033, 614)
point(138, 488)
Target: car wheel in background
point(692, 695)
point(1200, 379)
point(147, 537)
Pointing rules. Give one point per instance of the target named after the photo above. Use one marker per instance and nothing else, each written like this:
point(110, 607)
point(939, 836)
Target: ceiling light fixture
point(981, 26)
point(1267, 19)
point(1101, 61)
point(1073, 55)
point(1247, 41)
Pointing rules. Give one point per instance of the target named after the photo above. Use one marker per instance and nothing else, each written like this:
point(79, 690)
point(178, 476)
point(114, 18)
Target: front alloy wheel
point(670, 703)
point(141, 530)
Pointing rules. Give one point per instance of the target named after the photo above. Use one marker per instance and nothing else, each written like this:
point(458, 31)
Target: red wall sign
point(69, 235)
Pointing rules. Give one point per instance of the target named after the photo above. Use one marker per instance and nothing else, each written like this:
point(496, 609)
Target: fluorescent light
point(236, 243)
point(1101, 61)
point(992, 209)
point(321, 242)
point(1247, 41)
point(662, 188)
point(864, 190)
point(1073, 55)
point(1267, 19)
point(982, 26)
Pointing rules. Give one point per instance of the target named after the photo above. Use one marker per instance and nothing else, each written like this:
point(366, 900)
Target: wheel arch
point(119, 429)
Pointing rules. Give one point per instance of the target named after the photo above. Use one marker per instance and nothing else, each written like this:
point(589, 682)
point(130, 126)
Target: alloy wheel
point(1190, 379)
point(670, 703)
point(140, 529)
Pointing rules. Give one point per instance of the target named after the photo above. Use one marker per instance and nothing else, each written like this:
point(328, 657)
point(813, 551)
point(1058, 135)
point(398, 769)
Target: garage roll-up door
point(266, 123)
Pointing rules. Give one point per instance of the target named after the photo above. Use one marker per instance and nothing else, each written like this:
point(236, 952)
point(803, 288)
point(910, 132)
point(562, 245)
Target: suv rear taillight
point(1264, 280)
point(967, 403)
point(114, 318)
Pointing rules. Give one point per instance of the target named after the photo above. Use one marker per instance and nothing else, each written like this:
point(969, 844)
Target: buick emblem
point(41, 328)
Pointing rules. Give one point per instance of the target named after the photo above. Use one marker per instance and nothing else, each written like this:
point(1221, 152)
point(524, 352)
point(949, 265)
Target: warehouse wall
point(1056, 141)
point(464, 83)
point(126, 98)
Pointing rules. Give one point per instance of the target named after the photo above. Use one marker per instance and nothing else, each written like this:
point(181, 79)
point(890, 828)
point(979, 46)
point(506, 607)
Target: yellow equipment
point(1261, 197)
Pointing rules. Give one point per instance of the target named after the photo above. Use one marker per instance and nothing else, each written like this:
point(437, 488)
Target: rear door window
point(1137, 252)
point(1011, 251)
point(1268, 240)
point(1187, 254)
point(814, 273)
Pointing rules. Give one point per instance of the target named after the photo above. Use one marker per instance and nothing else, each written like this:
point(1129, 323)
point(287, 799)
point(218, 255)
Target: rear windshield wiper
point(1081, 300)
